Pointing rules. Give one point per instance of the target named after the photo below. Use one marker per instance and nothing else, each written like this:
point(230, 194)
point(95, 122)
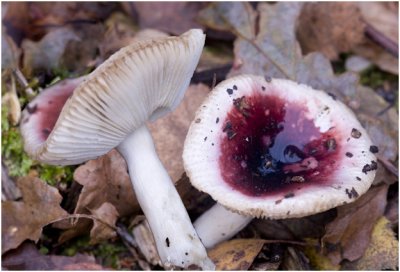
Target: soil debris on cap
point(373, 149)
point(370, 167)
point(355, 133)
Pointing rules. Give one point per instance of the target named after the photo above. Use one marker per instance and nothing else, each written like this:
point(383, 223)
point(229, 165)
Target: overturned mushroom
point(275, 149)
point(141, 82)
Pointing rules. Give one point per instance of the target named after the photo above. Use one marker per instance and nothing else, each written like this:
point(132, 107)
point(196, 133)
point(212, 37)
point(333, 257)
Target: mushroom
point(273, 148)
point(141, 82)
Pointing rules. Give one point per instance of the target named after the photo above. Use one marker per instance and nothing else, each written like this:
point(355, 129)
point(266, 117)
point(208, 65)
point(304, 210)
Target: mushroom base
point(269, 146)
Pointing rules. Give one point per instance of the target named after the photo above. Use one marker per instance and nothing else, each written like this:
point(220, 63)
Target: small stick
point(22, 80)
point(378, 37)
point(388, 165)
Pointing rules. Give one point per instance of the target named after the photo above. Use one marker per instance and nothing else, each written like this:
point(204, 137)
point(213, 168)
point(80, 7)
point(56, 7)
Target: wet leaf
point(104, 180)
point(169, 132)
point(348, 236)
point(331, 28)
point(382, 252)
point(28, 257)
point(22, 220)
point(236, 254)
point(107, 216)
point(163, 15)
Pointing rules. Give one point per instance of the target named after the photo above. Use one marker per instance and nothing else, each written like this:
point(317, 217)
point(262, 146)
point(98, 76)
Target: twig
point(378, 37)
point(22, 80)
point(78, 216)
point(125, 235)
point(388, 165)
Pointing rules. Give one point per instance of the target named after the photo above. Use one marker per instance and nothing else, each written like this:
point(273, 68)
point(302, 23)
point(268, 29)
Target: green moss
point(109, 253)
point(18, 162)
point(374, 77)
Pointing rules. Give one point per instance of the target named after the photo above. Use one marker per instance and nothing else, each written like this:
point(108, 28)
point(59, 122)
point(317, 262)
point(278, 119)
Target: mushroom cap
point(140, 82)
point(277, 149)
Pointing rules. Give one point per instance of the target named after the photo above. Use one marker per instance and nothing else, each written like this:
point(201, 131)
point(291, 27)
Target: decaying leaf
point(102, 228)
point(11, 102)
point(169, 132)
point(145, 242)
point(348, 236)
point(28, 257)
point(236, 254)
point(331, 28)
point(104, 180)
point(163, 15)
point(383, 250)
point(10, 52)
point(23, 220)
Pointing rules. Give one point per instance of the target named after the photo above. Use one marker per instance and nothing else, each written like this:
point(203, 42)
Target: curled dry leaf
point(236, 254)
point(104, 180)
point(331, 28)
point(104, 227)
point(28, 257)
point(23, 220)
point(348, 236)
point(169, 132)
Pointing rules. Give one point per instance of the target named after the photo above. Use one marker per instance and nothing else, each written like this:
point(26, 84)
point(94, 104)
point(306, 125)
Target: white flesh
point(177, 242)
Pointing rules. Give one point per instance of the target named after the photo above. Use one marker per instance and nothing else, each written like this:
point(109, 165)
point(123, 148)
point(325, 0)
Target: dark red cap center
point(270, 146)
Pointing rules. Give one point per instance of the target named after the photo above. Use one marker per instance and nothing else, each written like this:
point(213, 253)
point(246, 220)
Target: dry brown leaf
point(383, 16)
point(169, 132)
point(383, 251)
point(10, 52)
point(104, 180)
point(22, 220)
point(104, 225)
point(28, 257)
point(295, 259)
point(46, 54)
point(331, 28)
point(236, 254)
point(163, 15)
point(348, 236)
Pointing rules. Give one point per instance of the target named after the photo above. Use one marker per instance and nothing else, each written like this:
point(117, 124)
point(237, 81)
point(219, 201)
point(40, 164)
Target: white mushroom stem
point(177, 242)
point(219, 224)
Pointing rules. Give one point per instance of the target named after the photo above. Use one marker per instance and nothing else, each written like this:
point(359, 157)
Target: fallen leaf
point(145, 243)
point(384, 16)
point(46, 54)
point(28, 257)
point(274, 51)
point(236, 254)
point(104, 180)
point(317, 260)
point(169, 132)
point(331, 28)
point(382, 252)
point(294, 259)
point(379, 56)
point(10, 52)
point(34, 20)
point(104, 225)
point(163, 15)
point(348, 236)
point(23, 220)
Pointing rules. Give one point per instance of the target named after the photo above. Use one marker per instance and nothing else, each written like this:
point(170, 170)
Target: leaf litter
point(265, 44)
